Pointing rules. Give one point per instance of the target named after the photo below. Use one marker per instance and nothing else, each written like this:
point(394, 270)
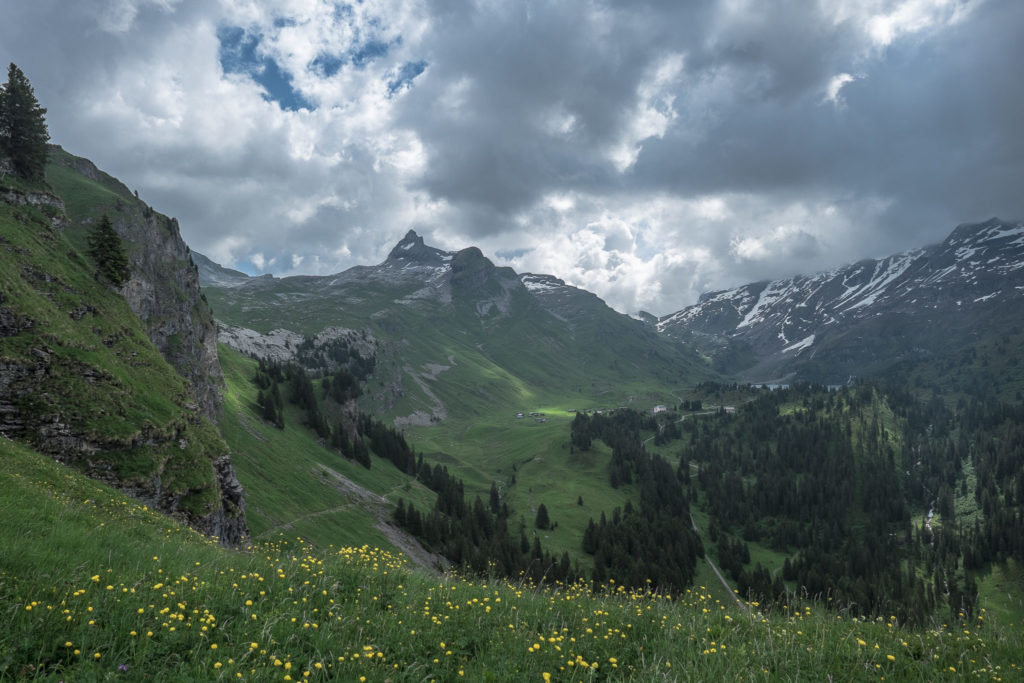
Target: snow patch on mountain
point(977, 263)
point(804, 343)
point(540, 283)
point(769, 295)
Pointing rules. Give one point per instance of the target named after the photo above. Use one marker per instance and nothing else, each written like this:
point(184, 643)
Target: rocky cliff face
point(120, 392)
point(164, 287)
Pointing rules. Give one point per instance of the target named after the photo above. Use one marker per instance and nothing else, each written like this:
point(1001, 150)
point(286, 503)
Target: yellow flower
point(890, 658)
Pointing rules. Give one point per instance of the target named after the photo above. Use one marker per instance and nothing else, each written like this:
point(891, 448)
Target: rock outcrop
point(123, 388)
point(164, 286)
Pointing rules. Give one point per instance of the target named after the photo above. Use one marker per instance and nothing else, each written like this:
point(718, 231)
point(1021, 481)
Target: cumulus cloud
point(647, 151)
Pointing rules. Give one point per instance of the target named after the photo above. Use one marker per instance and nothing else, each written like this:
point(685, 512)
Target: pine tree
point(542, 521)
point(107, 251)
point(23, 134)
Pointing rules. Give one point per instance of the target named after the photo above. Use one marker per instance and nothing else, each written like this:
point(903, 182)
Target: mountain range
point(856, 320)
point(452, 330)
point(861, 318)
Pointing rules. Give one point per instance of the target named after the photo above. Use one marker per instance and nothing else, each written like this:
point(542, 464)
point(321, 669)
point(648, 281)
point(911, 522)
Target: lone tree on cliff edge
point(23, 134)
point(106, 249)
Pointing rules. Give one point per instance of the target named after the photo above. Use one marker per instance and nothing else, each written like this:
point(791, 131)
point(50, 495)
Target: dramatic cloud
point(647, 151)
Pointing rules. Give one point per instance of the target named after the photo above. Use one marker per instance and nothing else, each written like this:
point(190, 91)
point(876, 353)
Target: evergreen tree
point(107, 251)
point(543, 522)
point(23, 134)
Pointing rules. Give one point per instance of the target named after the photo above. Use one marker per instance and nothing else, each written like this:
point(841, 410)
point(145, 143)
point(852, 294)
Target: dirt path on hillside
point(714, 568)
point(661, 428)
point(380, 508)
point(693, 522)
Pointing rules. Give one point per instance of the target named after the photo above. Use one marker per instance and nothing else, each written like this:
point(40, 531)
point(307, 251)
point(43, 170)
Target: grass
point(532, 463)
point(1000, 588)
point(82, 359)
point(281, 470)
point(291, 480)
point(103, 588)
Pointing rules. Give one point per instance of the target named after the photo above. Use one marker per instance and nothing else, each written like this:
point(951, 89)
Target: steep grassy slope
point(163, 290)
point(80, 379)
point(294, 484)
point(102, 588)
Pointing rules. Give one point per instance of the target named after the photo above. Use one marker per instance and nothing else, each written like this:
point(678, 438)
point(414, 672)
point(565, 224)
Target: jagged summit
point(412, 249)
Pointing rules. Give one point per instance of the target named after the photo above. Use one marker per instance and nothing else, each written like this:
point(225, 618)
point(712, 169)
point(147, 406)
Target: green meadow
point(102, 588)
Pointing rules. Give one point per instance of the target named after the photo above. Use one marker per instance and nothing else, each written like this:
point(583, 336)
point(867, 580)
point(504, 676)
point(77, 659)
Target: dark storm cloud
point(918, 113)
point(645, 150)
point(520, 66)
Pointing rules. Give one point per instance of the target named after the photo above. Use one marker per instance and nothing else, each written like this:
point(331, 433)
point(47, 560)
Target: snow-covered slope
point(978, 270)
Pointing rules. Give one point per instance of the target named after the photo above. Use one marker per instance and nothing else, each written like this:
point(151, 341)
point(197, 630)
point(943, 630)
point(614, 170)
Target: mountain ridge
point(523, 332)
point(789, 321)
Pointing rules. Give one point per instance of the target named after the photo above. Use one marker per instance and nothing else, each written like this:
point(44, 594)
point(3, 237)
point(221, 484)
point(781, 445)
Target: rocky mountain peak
point(411, 249)
point(995, 232)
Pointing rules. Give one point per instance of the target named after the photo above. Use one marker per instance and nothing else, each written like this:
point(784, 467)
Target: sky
point(645, 150)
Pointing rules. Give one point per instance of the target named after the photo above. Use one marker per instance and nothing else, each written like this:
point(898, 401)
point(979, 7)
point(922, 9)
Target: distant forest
point(883, 503)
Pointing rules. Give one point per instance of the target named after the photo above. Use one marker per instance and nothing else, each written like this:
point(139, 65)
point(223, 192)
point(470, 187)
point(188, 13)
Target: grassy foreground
point(94, 586)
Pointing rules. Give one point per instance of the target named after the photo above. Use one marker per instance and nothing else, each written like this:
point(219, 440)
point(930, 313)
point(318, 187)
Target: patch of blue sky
point(326, 65)
point(361, 55)
point(239, 54)
point(406, 75)
point(510, 254)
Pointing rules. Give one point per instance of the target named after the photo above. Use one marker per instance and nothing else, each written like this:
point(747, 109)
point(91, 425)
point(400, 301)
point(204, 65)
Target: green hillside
point(102, 587)
point(470, 343)
point(78, 372)
point(294, 484)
